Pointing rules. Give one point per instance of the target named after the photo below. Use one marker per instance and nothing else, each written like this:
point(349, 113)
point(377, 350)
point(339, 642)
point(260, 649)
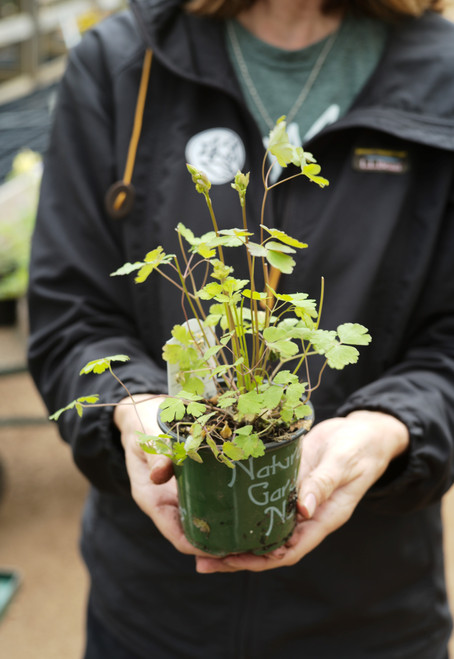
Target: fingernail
point(157, 469)
point(277, 553)
point(203, 568)
point(309, 505)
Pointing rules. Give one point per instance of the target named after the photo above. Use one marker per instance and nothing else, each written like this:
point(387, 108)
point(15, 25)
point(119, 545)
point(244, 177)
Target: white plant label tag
point(174, 387)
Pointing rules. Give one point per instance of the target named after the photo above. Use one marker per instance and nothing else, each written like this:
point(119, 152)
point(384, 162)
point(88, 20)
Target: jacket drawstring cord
point(120, 196)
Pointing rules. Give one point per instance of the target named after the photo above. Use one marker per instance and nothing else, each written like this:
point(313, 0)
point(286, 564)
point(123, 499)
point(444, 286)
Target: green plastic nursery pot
point(251, 508)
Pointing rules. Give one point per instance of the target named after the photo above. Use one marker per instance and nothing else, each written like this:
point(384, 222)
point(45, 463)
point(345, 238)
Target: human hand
point(342, 458)
point(153, 486)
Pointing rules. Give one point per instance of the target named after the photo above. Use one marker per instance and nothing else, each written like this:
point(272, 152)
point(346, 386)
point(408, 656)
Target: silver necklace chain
point(252, 88)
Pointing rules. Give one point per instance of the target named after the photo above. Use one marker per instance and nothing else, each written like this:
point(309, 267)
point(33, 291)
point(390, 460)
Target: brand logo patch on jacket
point(380, 160)
point(219, 152)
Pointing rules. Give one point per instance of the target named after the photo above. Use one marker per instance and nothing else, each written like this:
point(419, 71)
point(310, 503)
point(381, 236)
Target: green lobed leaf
point(301, 411)
point(287, 414)
point(272, 333)
point(282, 262)
point(202, 420)
point(257, 250)
point(322, 340)
point(212, 444)
point(244, 430)
point(192, 443)
point(233, 451)
point(354, 333)
point(280, 247)
point(289, 324)
point(172, 352)
point(196, 409)
point(127, 268)
point(172, 409)
point(279, 144)
point(304, 307)
point(254, 295)
point(192, 384)
point(251, 445)
point(226, 400)
point(187, 234)
point(100, 365)
point(152, 260)
point(277, 339)
point(299, 157)
point(211, 351)
point(205, 251)
point(233, 237)
point(294, 392)
point(232, 285)
point(144, 272)
point(212, 319)
point(285, 347)
point(194, 456)
point(311, 171)
point(75, 404)
point(250, 403)
point(186, 395)
point(272, 396)
point(179, 453)
point(210, 290)
point(284, 237)
point(224, 459)
point(196, 430)
point(182, 335)
point(285, 377)
point(340, 356)
point(220, 270)
point(156, 445)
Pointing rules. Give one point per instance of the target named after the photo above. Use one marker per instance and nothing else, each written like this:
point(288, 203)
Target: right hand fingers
point(161, 469)
point(152, 486)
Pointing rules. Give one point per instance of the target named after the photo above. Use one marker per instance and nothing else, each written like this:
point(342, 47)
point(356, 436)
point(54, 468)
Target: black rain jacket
point(382, 235)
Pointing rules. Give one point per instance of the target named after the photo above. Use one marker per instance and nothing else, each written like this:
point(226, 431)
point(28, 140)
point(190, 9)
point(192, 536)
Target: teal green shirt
point(279, 75)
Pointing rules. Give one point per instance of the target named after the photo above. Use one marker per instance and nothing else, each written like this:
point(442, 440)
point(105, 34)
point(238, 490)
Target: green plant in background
point(241, 372)
point(16, 229)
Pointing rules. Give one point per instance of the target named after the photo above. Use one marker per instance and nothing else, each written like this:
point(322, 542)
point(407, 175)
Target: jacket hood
point(410, 94)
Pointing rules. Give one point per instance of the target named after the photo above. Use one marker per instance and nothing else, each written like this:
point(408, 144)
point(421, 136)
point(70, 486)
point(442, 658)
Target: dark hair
point(384, 9)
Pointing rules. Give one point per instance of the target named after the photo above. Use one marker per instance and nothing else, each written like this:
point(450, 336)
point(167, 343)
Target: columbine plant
point(236, 364)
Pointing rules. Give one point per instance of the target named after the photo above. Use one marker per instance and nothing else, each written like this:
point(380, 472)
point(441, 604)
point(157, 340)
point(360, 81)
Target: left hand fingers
point(308, 534)
point(342, 458)
point(350, 453)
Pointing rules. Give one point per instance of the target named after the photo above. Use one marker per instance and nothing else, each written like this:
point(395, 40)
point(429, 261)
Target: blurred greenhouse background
point(35, 36)
point(38, 547)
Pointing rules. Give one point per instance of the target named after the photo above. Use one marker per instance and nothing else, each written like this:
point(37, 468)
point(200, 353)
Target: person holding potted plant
point(369, 88)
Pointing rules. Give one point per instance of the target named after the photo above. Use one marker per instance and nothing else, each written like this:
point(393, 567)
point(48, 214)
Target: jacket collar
point(411, 93)
point(190, 46)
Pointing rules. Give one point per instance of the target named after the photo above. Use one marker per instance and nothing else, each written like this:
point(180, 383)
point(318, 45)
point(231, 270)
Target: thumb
point(315, 490)
point(161, 468)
